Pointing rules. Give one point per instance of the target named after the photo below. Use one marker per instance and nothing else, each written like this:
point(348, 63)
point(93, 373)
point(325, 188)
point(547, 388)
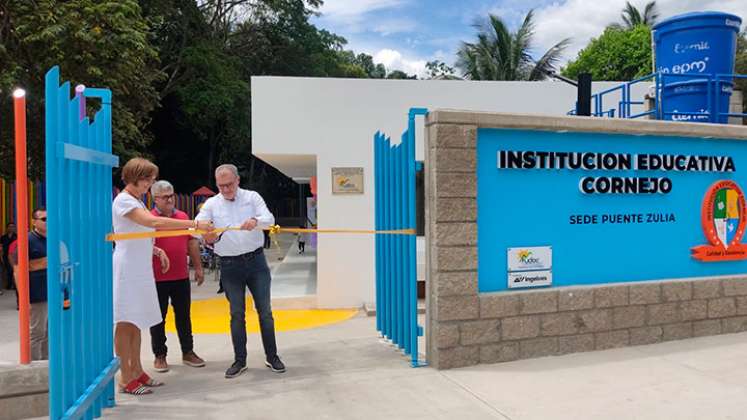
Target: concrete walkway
point(345, 372)
point(295, 276)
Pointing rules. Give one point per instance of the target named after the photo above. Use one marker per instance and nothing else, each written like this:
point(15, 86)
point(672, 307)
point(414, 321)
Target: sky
point(405, 34)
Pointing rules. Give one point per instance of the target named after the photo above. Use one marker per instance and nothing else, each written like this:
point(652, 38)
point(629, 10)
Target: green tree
point(280, 40)
point(633, 17)
point(439, 70)
point(499, 54)
point(97, 43)
point(372, 70)
point(618, 54)
point(214, 100)
point(218, 46)
point(175, 26)
point(399, 74)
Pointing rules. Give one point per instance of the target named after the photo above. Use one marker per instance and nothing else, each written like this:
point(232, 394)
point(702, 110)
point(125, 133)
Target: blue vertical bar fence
point(396, 256)
point(79, 260)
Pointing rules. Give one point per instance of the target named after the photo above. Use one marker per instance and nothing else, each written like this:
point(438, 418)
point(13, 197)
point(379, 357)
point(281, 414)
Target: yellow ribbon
point(275, 229)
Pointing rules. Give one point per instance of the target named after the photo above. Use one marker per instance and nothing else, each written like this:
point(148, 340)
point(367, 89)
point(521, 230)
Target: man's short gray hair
point(160, 187)
point(227, 167)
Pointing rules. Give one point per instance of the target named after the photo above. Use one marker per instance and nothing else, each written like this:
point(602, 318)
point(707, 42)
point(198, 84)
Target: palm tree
point(498, 54)
point(632, 17)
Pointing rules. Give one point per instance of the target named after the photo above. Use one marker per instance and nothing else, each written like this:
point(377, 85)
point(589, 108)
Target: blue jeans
point(238, 273)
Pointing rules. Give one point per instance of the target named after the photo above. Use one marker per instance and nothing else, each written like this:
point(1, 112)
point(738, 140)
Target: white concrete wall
point(335, 120)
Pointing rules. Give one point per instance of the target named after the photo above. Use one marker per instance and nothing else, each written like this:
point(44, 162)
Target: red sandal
point(135, 388)
point(148, 381)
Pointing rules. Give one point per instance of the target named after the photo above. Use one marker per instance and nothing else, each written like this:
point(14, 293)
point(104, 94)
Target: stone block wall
point(465, 327)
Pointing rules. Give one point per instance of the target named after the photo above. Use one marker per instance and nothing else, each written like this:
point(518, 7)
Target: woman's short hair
point(138, 168)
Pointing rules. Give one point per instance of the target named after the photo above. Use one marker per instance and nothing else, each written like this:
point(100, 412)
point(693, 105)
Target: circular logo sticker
point(723, 218)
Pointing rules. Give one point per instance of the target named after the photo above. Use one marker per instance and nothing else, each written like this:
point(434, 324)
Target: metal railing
point(396, 256)
point(662, 81)
point(79, 262)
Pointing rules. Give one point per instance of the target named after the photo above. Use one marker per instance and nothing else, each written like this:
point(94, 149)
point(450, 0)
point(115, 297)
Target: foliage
point(498, 54)
point(618, 54)
point(98, 43)
point(633, 17)
point(439, 70)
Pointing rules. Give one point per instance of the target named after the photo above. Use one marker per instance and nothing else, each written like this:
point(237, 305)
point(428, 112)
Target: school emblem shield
point(723, 221)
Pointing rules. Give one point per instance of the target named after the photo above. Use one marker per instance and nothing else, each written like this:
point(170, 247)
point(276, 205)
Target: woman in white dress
point(135, 298)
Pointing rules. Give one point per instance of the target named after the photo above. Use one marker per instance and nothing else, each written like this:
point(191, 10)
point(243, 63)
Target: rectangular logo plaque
point(347, 180)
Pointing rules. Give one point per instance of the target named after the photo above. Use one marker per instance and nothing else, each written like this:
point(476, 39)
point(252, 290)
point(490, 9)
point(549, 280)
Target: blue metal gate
point(396, 259)
point(79, 261)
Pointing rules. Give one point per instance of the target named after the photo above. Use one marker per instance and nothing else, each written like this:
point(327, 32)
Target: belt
point(248, 254)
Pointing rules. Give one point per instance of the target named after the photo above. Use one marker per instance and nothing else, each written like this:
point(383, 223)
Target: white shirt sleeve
point(124, 204)
point(206, 212)
point(264, 218)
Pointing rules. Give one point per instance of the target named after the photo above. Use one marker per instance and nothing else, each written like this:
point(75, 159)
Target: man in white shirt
point(242, 262)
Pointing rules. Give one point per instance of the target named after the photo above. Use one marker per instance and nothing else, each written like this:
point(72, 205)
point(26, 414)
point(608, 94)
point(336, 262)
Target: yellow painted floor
point(211, 316)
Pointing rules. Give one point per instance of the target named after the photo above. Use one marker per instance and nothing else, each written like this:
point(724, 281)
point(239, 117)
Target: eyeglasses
point(43, 219)
point(166, 197)
point(227, 186)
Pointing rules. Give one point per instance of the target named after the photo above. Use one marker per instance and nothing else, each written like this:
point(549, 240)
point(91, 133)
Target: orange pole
point(22, 282)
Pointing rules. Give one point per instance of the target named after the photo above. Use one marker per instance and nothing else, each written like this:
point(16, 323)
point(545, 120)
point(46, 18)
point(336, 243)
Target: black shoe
point(236, 369)
point(275, 364)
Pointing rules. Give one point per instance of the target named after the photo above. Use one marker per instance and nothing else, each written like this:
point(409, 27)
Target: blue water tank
point(698, 46)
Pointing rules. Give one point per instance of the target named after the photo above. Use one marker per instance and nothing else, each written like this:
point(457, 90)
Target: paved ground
point(293, 275)
point(344, 371)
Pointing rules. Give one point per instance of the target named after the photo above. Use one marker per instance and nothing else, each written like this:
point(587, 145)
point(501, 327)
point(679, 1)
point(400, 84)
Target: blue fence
point(712, 111)
point(79, 261)
point(396, 276)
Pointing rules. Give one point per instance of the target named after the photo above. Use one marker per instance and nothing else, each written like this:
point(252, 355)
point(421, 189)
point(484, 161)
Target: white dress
point(135, 297)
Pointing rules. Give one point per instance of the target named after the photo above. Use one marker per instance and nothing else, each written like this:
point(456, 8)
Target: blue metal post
point(106, 109)
point(713, 95)
point(400, 238)
point(86, 204)
point(416, 331)
point(660, 95)
point(400, 248)
point(74, 245)
point(412, 297)
point(388, 246)
point(96, 248)
point(377, 224)
point(66, 229)
point(405, 239)
point(54, 298)
point(397, 251)
point(102, 326)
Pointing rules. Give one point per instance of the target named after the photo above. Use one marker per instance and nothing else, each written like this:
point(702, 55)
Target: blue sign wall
point(624, 237)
